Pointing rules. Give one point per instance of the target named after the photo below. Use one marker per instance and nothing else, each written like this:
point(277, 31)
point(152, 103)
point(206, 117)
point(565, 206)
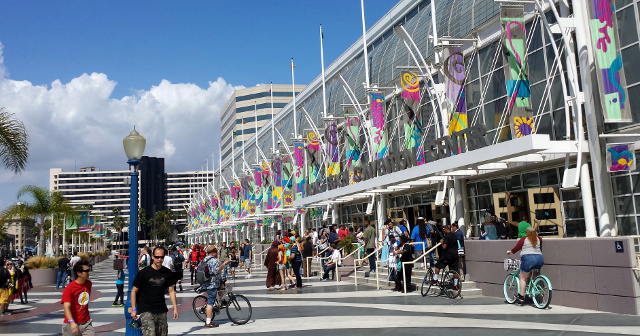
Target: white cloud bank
point(79, 122)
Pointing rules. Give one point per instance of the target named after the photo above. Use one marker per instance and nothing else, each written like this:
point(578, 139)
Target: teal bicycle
point(538, 287)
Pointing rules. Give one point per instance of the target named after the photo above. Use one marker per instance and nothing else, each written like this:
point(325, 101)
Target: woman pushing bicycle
point(530, 247)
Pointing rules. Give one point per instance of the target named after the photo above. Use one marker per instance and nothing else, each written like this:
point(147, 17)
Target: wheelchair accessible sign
point(619, 246)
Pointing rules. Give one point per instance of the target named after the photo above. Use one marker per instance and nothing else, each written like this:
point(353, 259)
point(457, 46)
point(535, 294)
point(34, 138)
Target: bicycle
point(238, 307)
point(446, 284)
point(538, 287)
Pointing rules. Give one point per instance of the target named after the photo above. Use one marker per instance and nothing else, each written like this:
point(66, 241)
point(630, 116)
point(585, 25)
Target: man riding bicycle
point(449, 256)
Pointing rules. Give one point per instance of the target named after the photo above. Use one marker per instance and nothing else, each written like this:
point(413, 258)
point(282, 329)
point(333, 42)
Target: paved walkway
point(322, 308)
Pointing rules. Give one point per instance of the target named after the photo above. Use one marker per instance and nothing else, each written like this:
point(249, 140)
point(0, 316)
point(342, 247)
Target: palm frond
point(14, 142)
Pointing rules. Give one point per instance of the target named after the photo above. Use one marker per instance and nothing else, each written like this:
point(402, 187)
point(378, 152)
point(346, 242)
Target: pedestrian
point(223, 256)
point(75, 301)
point(370, 244)
point(24, 283)
point(248, 253)
point(404, 228)
point(271, 262)
point(194, 259)
point(167, 262)
point(296, 263)
point(177, 259)
point(214, 267)
point(145, 258)
point(147, 296)
point(233, 263)
point(91, 261)
point(5, 291)
point(13, 281)
point(420, 235)
point(242, 257)
point(120, 288)
point(72, 263)
point(307, 256)
point(63, 265)
point(282, 265)
point(522, 227)
point(404, 252)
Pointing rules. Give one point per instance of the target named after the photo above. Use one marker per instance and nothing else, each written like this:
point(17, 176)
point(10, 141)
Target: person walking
point(223, 256)
point(147, 296)
point(145, 258)
point(5, 291)
point(242, 257)
point(214, 267)
point(75, 301)
point(120, 288)
point(194, 259)
point(63, 265)
point(72, 263)
point(307, 256)
point(296, 262)
point(233, 263)
point(24, 282)
point(248, 253)
point(370, 244)
point(177, 260)
point(271, 262)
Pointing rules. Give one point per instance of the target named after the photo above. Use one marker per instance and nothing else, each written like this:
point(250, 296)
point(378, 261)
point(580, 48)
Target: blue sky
point(80, 74)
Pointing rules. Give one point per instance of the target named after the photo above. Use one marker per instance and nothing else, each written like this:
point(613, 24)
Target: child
point(233, 263)
point(120, 286)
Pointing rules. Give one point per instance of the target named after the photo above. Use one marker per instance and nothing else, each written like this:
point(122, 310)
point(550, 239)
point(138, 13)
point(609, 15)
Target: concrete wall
point(584, 272)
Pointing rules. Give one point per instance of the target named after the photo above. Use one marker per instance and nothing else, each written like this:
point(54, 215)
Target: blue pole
point(133, 245)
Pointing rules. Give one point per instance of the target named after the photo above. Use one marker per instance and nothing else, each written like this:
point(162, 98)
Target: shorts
point(241, 259)
point(280, 267)
point(178, 275)
point(531, 261)
point(4, 295)
point(154, 324)
point(444, 261)
point(248, 262)
point(84, 329)
point(211, 296)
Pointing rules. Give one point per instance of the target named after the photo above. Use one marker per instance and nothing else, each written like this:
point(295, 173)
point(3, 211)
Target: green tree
point(163, 221)
point(118, 221)
point(14, 142)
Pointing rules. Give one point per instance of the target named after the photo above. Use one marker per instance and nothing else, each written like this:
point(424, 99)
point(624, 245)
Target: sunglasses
point(158, 257)
point(84, 271)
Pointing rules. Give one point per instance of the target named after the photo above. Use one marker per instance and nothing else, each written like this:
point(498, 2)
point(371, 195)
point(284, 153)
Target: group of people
point(15, 281)
point(284, 260)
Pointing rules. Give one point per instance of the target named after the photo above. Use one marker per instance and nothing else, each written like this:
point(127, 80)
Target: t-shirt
point(415, 236)
point(370, 236)
point(74, 260)
point(4, 277)
point(167, 262)
point(342, 233)
point(403, 229)
point(333, 237)
point(395, 231)
point(78, 295)
point(120, 279)
point(522, 229)
point(247, 251)
point(335, 256)
point(62, 264)
point(452, 246)
point(214, 266)
point(146, 260)
point(407, 255)
point(307, 250)
point(224, 254)
point(295, 253)
point(151, 284)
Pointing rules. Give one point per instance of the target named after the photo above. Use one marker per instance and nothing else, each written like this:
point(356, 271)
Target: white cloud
point(79, 122)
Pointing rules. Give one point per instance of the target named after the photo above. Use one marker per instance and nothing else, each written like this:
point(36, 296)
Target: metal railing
point(261, 253)
point(355, 266)
point(413, 262)
point(345, 257)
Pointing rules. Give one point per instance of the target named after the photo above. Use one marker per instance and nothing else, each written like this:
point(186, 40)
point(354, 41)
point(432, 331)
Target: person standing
point(24, 283)
point(248, 253)
point(405, 253)
point(145, 258)
point(307, 256)
point(194, 259)
point(75, 301)
point(522, 227)
point(63, 265)
point(75, 259)
point(370, 244)
point(296, 262)
point(147, 296)
point(214, 266)
point(271, 262)
point(223, 256)
point(242, 257)
point(420, 234)
point(120, 288)
point(178, 263)
point(5, 291)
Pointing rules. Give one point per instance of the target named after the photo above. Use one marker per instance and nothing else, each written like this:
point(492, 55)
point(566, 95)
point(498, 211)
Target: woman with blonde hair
point(530, 247)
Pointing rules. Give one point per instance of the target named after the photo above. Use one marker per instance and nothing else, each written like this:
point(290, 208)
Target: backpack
point(177, 260)
point(204, 273)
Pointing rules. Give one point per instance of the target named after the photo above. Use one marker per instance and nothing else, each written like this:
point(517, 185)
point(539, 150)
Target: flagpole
point(364, 45)
point(324, 94)
point(220, 164)
point(273, 123)
point(293, 89)
point(243, 160)
point(233, 155)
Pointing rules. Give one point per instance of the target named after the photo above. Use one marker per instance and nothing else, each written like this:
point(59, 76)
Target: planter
point(43, 277)
point(347, 267)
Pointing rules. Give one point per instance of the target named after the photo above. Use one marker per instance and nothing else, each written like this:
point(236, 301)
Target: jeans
point(62, 275)
point(372, 260)
point(296, 270)
point(530, 261)
point(328, 270)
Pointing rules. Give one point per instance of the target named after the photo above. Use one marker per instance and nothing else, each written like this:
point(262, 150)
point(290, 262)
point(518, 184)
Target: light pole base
point(129, 331)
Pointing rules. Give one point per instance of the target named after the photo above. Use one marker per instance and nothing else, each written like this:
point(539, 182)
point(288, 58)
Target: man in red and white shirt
point(75, 300)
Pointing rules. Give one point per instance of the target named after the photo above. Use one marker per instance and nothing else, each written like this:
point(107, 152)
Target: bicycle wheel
point(200, 307)
point(238, 309)
point(541, 292)
point(452, 284)
point(511, 287)
point(426, 282)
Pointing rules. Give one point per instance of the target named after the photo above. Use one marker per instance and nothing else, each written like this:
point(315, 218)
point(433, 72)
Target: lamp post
point(134, 145)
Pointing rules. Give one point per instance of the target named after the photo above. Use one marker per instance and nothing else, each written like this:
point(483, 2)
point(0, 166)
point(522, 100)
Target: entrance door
point(511, 206)
point(544, 205)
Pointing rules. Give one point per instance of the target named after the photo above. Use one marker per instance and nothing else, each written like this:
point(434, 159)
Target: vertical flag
point(353, 143)
point(331, 138)
point(314, 157)
point(515, 73)
point(298, 169)
point(454, 78)
point(378, 129)
point(276, 173)
point(287, 181)
point(412, 119)
point(257, 175)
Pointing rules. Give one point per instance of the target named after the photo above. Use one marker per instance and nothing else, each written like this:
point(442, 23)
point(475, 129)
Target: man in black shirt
point(307, 254)
point(63, 265)
point(147, 296)
point(449, 256)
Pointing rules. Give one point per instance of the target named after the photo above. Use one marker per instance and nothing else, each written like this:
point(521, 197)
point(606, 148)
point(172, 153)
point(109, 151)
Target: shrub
point(83, 256)
point(347, 243)
point(42, 262)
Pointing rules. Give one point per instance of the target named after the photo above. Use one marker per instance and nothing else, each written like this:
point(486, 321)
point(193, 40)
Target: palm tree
point(14, 143)
point(42, 204)
point(118, 221)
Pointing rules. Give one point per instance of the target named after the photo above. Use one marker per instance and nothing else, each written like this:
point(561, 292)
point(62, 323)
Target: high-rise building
point(181, 187)
point(20, 232)
point(248, 106)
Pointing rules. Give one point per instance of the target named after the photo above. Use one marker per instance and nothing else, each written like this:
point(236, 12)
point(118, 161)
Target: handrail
point(413, 262)
point(253, 255)
point(345, 257)
point(327, 257)
point(355, 268)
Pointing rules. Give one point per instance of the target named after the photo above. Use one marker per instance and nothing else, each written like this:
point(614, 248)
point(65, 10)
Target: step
point(469, 288)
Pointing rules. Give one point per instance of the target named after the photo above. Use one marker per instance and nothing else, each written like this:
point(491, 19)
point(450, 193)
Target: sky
point(81, 74)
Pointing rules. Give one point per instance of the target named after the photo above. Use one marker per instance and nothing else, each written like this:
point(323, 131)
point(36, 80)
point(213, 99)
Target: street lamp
point(134, 145)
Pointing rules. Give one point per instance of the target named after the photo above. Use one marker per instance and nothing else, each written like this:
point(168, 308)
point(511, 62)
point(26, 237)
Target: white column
point(458, 186)
point(261, 233)
point(303, 224)
point(334, 214)
point(381, 213)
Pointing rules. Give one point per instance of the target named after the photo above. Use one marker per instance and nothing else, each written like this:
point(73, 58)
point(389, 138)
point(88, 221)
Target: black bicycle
point(446, 283)
point(238, 307)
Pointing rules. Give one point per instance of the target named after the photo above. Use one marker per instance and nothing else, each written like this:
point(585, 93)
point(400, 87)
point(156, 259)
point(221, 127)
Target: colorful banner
point(84, 221)
point(298, 170)
point(611, 77)
point(331, 145)
point(314, 156)
point(454, 79)
point(378, 129)
point(352, 133)
point(257, 176)
point(287, 181)
point(621, 157)
point(276, 175)
point(266, 187)
point(412, 117)
point(516, 74)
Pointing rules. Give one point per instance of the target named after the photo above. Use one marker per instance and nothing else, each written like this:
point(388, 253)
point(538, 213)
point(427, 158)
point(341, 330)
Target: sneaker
point(324, 279)
point(249, 276)
point(115, 305)
point(211, 325)
point(121, 304)
point(6, 313)
point(519, 298)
